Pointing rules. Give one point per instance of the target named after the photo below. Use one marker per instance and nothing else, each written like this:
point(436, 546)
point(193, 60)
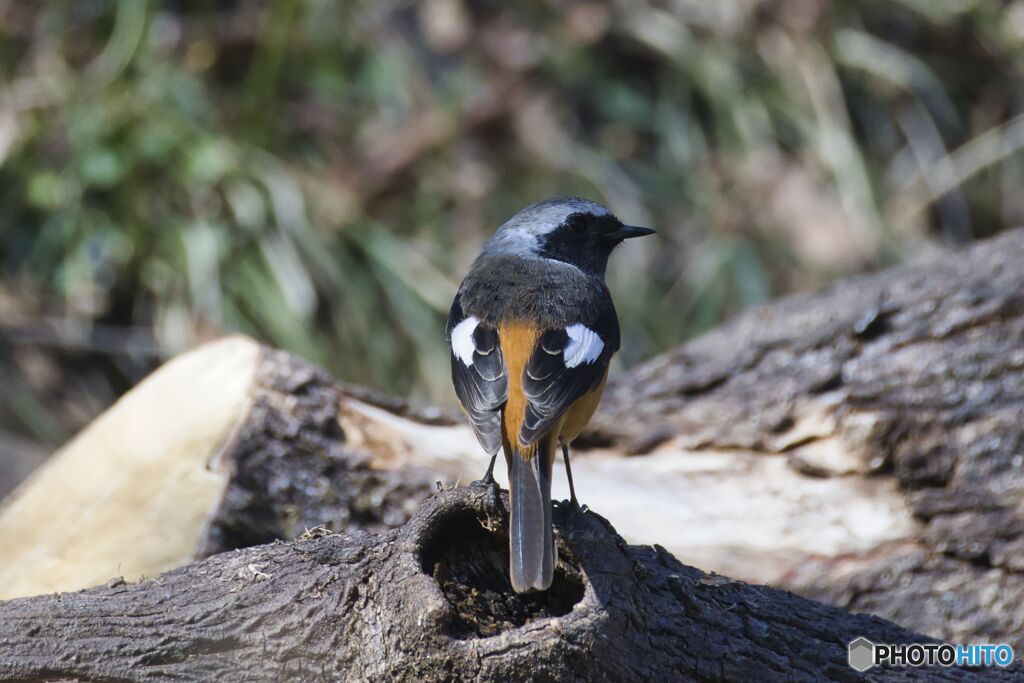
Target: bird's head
point(576, 231)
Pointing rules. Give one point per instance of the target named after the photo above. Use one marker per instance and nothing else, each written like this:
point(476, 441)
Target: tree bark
point(431, 601)
point(907, 385)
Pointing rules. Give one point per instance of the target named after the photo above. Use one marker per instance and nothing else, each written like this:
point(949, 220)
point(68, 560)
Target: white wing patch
point(584, 346)
point(462, 340)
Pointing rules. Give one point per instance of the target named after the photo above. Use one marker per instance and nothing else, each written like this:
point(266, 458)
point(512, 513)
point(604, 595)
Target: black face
point(586, 241)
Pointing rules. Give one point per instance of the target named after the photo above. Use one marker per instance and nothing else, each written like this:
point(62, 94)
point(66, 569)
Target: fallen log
point(226, 447)
point(861, 446)
point(431, 601)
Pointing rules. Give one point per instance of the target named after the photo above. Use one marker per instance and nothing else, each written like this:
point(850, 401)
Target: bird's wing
point(566, 364)
point(478, 372)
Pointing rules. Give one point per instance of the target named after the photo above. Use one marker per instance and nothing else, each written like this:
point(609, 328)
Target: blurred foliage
point(319, 174)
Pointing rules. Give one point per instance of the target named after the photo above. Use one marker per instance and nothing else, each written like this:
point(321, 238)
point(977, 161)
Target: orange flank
point(579, 413)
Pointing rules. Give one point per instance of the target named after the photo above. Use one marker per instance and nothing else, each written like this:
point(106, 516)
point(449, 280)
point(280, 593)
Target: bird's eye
point(577, 224)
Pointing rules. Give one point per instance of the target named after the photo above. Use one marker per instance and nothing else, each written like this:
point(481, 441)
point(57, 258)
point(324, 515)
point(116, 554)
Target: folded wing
point(478, 373)
point(566, 364)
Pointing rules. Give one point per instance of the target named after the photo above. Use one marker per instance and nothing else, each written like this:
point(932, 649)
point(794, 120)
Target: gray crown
point(519, 234)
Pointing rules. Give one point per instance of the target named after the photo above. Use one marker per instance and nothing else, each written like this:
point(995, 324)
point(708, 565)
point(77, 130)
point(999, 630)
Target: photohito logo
point(863, 654)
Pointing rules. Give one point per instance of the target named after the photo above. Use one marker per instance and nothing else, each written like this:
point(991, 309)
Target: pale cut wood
point(129, 496)
point(757, 519)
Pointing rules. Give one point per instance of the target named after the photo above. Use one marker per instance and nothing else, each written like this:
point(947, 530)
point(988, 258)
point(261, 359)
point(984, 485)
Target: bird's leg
point(489, 475)
point(568, 474)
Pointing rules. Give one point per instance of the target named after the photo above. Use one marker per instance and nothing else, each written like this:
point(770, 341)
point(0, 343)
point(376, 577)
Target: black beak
point(628, 231)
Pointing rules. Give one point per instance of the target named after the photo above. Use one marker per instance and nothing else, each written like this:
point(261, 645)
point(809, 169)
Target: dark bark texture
point(293, 468)
point(430, 601)
point(921, 370)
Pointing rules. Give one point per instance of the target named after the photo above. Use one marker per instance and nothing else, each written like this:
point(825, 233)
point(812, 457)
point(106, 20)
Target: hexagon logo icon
point(862, 654)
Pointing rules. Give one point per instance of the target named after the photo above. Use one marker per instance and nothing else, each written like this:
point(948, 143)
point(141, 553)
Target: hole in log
point(470, 564)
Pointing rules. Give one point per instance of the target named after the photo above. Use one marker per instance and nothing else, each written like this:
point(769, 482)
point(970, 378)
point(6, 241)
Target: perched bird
point(532, 330)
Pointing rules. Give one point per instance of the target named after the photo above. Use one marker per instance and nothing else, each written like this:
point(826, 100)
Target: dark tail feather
point(531, 544)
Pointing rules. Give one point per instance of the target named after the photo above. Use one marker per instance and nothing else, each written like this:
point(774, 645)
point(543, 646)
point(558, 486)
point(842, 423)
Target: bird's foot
point(574, 503)
point(568, 512)
point(493, 500)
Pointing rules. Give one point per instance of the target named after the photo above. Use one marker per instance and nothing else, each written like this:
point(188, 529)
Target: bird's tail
point(531, 544)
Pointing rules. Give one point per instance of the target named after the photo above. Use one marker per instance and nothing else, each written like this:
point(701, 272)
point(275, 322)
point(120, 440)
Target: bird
point(532, 330)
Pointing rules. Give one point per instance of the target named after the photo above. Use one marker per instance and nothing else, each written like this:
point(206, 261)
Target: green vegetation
point(319, 174)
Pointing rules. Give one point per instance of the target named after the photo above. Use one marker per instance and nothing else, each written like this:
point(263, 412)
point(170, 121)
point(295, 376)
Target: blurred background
point(320, 174)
